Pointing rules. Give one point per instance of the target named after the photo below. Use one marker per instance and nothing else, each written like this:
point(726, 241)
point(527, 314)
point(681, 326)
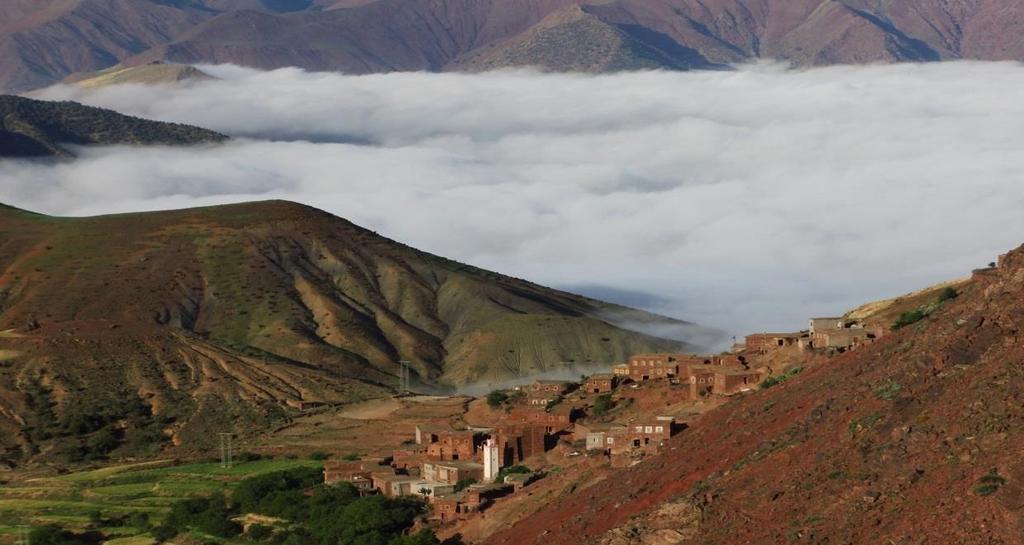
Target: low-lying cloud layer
point(747, 200)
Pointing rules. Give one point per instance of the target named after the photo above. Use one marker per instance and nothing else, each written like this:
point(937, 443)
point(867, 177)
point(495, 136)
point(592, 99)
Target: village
point(461, 472)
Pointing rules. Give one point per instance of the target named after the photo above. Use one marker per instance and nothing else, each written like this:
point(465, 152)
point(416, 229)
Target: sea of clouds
point(746, 200)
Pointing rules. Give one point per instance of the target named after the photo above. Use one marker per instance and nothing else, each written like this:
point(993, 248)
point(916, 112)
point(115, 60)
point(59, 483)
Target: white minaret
point(491, 461)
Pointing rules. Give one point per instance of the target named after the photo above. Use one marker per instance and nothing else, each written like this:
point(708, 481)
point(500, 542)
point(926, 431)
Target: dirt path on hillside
point(377, 409)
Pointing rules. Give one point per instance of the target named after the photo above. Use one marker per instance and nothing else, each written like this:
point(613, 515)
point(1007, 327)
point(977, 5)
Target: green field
point(70, 500)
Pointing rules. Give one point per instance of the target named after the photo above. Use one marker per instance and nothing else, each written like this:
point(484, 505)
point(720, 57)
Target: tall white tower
point(491, 461)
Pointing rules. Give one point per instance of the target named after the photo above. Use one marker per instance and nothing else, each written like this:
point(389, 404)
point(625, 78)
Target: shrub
point(989, 483)
point(137, 520)
point(319, 456)
point(464, 484)
point(772, 381)
point(603, 404)
point(947, 294)
point(908, 318)
point(163, 533)
point(352, 457)
point(259, 532)
point(496, 398)
point(888, 391)
point(248, 457)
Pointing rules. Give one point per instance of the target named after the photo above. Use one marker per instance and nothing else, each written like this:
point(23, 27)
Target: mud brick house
point(604, 437)
point(647, 435)
point(394, 486)
point(763, 343)
point(517, 442)
point(448, 508)
point(408, 458)
point(702, 379)
point(542, 392)
point(599, 383)
point(654, 366)
point(451, 472)
point(553, 388)
point(819, 325)
point(722, 379)
point(426, 435)
point(540, 399)
point(843, 339)
point(358, 474)
point(734, 381)
point(456, 506)
point(556, 420)
point(450, 445)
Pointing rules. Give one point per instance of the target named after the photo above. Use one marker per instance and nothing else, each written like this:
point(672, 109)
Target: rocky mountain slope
point(43, 41)
point(913, 439)
point(35, 128)
point(157, 73)
point(222, 318)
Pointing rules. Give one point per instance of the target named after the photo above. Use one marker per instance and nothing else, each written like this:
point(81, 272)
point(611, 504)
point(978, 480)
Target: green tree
point(496, 398)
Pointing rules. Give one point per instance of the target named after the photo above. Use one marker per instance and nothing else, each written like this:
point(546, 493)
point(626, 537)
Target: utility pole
point(404, 377)
point(225, 449)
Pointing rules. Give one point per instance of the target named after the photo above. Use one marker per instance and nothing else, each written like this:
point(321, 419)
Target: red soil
point(888, 444)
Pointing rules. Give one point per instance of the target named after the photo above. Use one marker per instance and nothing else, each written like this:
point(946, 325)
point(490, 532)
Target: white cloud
point(746, 200)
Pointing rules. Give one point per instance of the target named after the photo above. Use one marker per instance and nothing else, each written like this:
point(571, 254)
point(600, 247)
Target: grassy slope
point(226, 312)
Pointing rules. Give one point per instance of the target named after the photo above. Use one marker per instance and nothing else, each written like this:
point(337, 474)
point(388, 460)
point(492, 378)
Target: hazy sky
point(747, 200)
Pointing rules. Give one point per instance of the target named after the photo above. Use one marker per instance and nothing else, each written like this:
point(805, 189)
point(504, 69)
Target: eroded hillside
point(219, 318)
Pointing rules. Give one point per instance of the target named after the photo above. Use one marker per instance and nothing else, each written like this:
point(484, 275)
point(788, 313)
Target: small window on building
point(649, 429)
point(639, 429)
point(659, 429)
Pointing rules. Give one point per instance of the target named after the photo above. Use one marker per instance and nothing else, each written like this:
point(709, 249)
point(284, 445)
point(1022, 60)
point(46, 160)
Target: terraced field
point(74, 499)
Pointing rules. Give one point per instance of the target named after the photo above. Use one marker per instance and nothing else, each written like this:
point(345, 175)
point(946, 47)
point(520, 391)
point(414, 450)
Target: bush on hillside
point(772, 381)
point(947, 294)
point(603, 404)
point(908, 318)
point(496, 398)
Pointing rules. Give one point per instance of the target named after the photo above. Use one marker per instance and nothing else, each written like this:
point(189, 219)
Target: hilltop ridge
point(37, 128)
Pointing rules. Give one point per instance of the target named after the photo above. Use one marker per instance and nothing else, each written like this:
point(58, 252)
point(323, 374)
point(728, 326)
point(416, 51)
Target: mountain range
point(45, 41)
point(224, 317)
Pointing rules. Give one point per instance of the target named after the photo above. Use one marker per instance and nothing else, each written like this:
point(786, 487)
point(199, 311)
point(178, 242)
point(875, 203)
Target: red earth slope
point(916, 439)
